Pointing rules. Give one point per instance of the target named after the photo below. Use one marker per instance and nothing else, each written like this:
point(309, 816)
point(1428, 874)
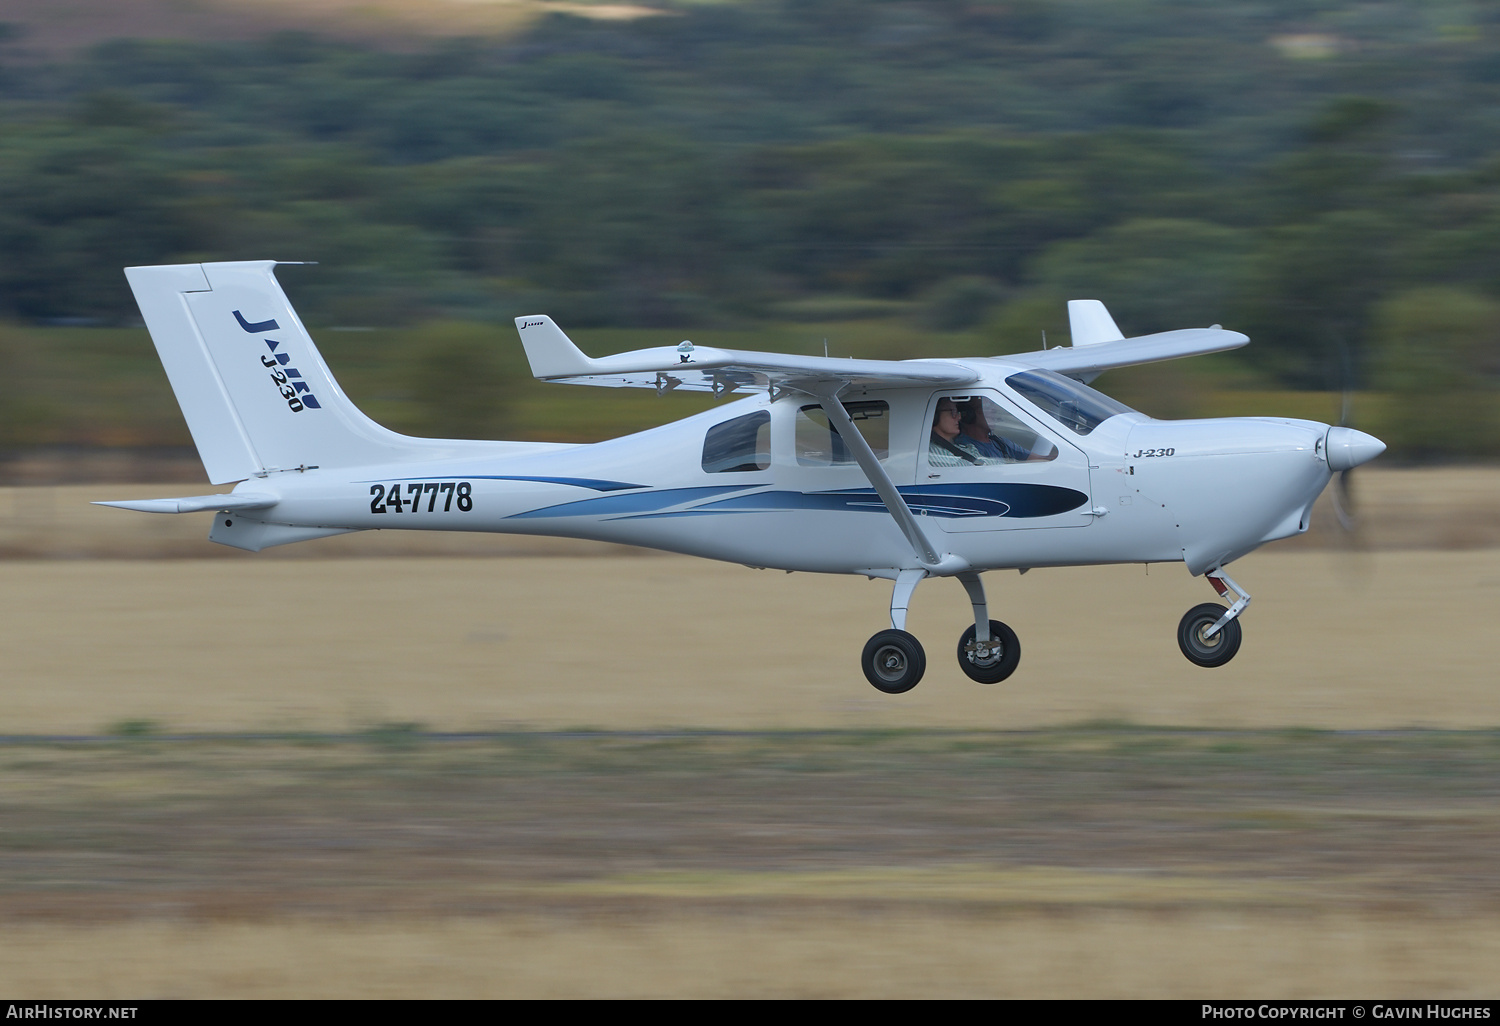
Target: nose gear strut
point(1224, 584)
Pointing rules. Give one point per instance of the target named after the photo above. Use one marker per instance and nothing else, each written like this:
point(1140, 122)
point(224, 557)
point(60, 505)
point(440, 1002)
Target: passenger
point(976, 429)
point(949, 446)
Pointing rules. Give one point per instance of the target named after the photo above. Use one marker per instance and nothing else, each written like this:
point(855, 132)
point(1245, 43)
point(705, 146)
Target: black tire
point(894, 662)
point(1214, 651)
point(1002, 661)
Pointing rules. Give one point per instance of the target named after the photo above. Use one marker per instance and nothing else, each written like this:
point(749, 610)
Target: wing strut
point(885, 488)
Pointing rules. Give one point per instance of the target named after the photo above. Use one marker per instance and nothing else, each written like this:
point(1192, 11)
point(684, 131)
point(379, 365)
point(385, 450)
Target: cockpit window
point(738, 445)
point(1073, 404)
point(819, 445)
point(975, 431)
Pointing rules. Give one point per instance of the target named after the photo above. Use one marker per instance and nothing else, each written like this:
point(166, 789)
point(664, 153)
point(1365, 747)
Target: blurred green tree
point(1153, 274)
point(1307, 295)
point(960, 303)
point(77, 204)
point(458, 381)
point(1437, 350)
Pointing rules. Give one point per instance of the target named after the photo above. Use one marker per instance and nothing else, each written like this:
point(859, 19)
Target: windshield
point(1073, 404)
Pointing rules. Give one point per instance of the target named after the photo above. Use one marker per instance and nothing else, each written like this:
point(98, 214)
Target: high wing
point(1098, 344)
point(554, 357)
point(1087, 362)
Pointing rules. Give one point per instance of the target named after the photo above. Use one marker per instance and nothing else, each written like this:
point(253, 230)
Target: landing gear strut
point(894, 660)
point(989, 651)
point(1210, 635)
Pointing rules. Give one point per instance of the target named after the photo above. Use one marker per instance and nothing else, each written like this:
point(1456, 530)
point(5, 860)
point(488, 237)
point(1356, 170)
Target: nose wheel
point(1203, 648)
point(1210, 635)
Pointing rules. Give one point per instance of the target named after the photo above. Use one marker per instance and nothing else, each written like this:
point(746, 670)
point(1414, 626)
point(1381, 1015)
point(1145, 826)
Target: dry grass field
point(1091, 862)
point(782, 953)
point(670, 643)
point(1109, 822)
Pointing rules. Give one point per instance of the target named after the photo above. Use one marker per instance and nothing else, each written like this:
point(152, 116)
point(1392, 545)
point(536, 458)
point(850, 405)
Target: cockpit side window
point(819, 445)
point(738, 445)
point(976, 431)
point(1073, 404)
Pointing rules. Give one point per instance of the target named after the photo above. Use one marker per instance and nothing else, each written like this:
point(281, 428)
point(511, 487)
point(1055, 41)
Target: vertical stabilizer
point(256, 394)
point(162, 294)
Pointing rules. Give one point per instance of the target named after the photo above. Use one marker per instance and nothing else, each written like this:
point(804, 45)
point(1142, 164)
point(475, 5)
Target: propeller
point(1343, 501)
point(1346, 447)
point(1343, 482)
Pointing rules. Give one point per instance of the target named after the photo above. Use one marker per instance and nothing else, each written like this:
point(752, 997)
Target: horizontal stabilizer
point(554, 357)
point(196, 503)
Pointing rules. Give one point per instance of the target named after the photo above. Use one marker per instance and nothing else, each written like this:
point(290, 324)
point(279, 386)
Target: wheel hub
point(890, 661)
point(1199, 645)
point(982, 653)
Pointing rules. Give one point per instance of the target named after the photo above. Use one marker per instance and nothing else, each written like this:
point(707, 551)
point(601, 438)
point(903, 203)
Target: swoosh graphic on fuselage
point(1014, 501)
point(635, 502)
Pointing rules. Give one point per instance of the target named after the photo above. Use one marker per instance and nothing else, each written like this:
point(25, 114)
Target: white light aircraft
point(901, 470)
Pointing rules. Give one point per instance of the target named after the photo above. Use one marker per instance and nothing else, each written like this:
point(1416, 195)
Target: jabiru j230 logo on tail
point(287, 379)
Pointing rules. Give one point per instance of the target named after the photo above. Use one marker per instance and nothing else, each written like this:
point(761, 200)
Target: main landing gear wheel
point(1214, 651)
point(893, 661)
point(992, 661)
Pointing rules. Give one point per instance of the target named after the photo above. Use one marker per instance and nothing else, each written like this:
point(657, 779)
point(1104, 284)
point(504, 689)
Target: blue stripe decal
point(692, 513)
point(576, 482)
point(1012, 501)
point(636, 502)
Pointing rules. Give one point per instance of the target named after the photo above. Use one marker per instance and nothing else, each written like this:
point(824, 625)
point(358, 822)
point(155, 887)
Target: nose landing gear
point(1210, 635)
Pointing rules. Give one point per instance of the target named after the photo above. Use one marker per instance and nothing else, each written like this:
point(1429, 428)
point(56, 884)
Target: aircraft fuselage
point(1133, 489)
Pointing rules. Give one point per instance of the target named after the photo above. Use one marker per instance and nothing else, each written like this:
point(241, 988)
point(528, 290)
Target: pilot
point(975, 428)
point(949, 446)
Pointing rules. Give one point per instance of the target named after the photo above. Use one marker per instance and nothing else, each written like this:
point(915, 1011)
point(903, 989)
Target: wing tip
point(1090, 323)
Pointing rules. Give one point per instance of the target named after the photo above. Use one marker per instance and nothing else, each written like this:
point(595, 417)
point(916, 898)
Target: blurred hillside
point(905, 179)
point(49, 29)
